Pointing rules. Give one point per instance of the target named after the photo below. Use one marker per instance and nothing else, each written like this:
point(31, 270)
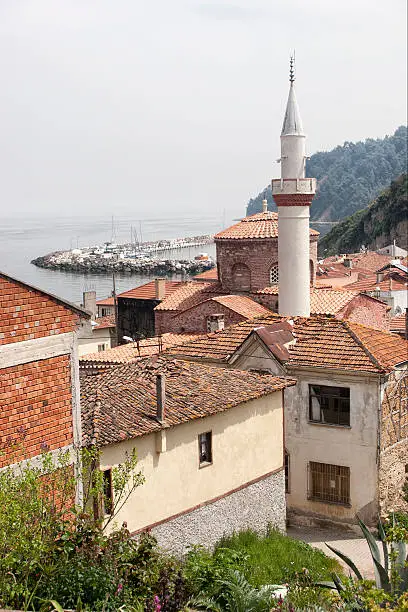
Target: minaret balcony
point(288, 186)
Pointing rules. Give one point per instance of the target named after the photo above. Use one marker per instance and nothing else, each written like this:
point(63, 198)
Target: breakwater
point(129, 259)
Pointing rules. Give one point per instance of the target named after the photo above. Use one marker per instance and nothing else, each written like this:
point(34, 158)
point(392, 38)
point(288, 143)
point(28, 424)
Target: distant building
point(102, 336)
point(393, 250)
point(389, 284)
point(39, 370)
point(105, 307)
point(209, 443)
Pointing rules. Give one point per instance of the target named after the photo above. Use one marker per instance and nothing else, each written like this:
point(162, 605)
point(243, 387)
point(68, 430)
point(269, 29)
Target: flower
point(119, 589)
point(157, 605)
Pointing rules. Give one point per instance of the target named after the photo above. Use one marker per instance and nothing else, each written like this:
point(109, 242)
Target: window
point(274, 275)
point(287, 472)
point(101, 347)
point(205, 448)
point(107, 502)
point(329, 405)
point(329, 483)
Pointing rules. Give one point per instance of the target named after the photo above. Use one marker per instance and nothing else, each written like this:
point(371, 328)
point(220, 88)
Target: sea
point(21, 240)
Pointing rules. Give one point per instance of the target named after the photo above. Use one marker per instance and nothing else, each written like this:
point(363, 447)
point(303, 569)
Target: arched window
point(241, 277)
point(274, 275)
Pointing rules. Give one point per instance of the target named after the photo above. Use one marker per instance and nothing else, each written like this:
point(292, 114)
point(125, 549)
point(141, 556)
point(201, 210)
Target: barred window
point(329, 405)
point(205, 448)
point(329, 483)
point(274, 275)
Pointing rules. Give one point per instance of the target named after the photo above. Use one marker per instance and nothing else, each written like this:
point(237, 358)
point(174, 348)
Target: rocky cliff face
point(384, 220)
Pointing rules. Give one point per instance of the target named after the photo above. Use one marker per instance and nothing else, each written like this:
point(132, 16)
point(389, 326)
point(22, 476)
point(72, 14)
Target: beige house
point(346, 420)
point(101, 336)
point(209, 442)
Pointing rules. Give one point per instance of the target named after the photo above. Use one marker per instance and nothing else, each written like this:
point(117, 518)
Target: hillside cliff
point(350, 176)
point(377, 225)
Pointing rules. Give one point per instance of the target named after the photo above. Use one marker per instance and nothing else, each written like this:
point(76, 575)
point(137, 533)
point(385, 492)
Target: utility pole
point(115, 305)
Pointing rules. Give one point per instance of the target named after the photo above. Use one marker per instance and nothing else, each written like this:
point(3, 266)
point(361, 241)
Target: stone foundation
point(255, 506)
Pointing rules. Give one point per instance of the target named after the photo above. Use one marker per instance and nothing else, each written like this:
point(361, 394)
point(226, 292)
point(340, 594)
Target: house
point(105, 307)
point(394, 250)
point(389, 284)
point(39, 371)
point(102, 336)
point(337, 423)
point(209, 443)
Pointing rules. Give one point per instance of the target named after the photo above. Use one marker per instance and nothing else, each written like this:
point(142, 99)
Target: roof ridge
point(361, 344)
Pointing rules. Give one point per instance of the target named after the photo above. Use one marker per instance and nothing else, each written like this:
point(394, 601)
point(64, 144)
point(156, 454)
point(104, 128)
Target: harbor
point(141, 258)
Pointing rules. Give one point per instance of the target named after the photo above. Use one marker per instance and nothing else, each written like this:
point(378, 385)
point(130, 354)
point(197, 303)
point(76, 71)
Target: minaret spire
point(293, 194)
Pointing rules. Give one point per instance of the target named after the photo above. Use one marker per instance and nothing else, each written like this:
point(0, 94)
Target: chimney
point(89, 302)
point(160, 288)
point(161, 397)
point(348, 262)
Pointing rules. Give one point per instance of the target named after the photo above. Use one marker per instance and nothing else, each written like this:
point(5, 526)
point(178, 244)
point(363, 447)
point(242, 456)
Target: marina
point(140, 258)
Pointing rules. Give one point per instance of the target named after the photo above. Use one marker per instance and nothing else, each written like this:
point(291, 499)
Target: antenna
point(292, 69)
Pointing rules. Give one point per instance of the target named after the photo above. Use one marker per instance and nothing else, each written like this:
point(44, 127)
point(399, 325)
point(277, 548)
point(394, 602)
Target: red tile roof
point(242, 305)
point(330, 301)
point(133, 351)
point(105, 322)
point(187, 295)
point(321, 341)
point(261, 225)
point(391, 282)
point(106, 302)
point(120, 404)
point(369, 261)
point(207, 275)
point(398, 323)
point(148, 290)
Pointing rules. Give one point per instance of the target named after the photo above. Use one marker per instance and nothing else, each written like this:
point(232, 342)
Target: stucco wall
point(247, 445)
point(90, 344)
point(354, 447)
point(255, 506)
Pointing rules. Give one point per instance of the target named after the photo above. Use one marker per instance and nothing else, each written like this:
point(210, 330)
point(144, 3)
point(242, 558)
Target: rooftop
point(259, 226)
point(188, 294)
point(133, 351)
point(394, 281)
point(120, 404)
point(398, 323)
point(148, 290)
point(109, 301)
point(105, 322)
point(321, 341)
point(207, 275)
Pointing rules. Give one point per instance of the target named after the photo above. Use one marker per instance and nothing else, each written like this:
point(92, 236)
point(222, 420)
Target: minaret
point(293, 194)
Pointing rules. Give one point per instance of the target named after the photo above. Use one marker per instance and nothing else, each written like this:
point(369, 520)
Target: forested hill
point(350, 176)
point(377, 225)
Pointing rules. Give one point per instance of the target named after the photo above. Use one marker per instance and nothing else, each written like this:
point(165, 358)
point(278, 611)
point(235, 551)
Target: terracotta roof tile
point(369, 261)
point(148, 290)
point(242, 305)
point(260, 225)
point(120, 404)
point(187, 295)
point(133, 351)
point(105, 322)
point(391, 282)
point(330, 301)
point(106, 302)
point(207, 275)
point(321, 341)
point(398, 323)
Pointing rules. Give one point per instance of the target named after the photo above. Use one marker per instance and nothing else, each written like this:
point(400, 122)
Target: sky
point(162, 108)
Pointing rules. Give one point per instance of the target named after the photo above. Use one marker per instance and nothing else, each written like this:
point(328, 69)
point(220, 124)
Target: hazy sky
point(159, 106)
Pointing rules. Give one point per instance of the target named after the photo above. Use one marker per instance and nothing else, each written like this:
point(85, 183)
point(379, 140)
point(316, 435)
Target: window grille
point(329, 405)
point(107, 501)
point(274, 275)
point(329, 483)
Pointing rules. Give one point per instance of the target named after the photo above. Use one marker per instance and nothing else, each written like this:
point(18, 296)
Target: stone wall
point(195, 319)
point(393, 466)
point(255, 506)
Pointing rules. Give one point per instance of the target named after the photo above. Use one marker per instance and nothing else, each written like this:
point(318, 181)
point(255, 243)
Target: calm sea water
point(21, 240)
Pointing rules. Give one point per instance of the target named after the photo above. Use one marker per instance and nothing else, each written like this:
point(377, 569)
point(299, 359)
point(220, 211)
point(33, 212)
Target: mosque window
point(274, 275)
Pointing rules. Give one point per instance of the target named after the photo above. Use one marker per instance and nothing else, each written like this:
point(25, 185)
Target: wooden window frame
point(287, 471)
point(318, 489)
point(205, 463)
point(107, 509)
point(330, 397)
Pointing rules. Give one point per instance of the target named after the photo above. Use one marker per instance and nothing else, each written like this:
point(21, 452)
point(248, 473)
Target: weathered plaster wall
point(90, 343)
point(247, 445)
point(354, 447)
